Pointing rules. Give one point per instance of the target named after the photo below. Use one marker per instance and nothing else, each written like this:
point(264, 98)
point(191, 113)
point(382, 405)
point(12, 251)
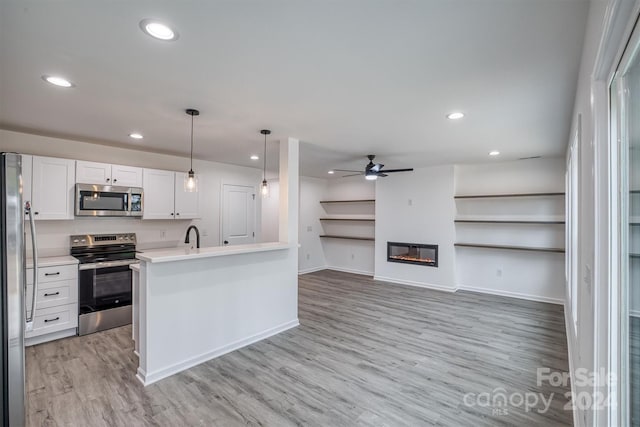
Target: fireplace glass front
point(412, 253)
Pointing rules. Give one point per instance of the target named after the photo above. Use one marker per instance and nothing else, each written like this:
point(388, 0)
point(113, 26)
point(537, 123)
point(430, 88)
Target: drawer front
point(56, 274)
point(48, 320)
point(53, 294)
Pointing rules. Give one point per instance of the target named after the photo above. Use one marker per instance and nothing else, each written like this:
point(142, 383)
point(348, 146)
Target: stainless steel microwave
point(108, 200)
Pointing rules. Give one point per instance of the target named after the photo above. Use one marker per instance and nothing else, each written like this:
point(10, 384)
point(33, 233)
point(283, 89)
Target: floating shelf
point(333, 236)
point(493, 196)
point(516, 248)
point(506, 221)
point(348, 219)
point(349, 201)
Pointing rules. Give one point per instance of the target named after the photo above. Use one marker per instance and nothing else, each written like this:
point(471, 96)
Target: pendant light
point(264, 188)
point(191, 180)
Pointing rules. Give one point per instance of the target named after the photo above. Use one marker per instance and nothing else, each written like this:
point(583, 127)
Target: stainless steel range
point(104, 280)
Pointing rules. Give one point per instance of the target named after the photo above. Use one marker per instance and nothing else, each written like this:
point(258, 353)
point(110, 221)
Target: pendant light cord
point(264, 160)
point(191, 143)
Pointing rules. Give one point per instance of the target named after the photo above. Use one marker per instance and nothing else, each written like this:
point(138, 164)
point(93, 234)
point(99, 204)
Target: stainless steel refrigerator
point(13, 291)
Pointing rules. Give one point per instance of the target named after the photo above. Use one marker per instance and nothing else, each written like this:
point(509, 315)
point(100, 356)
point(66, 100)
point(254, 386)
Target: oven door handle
point(97, 265)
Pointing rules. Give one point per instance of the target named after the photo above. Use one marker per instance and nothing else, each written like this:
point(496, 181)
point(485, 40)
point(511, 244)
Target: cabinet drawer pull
point(52, 274)
point(51, 320)
point(52, 295)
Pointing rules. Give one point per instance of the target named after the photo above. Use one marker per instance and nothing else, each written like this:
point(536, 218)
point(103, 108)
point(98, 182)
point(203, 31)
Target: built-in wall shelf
point(508, 247)
point(348, 219)
point(506, 221)
point(333, 236)
point(495, 196)
point(349, 201)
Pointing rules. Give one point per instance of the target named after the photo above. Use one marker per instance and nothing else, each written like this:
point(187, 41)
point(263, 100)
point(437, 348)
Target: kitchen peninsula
point(198, 304)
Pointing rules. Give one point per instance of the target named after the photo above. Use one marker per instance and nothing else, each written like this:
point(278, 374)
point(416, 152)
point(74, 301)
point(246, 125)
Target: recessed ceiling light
point(455, 116)
point(136, 135)
point(58, 81)
point(158, 30)
point(254, 157)
point(494, 153)
point(331, 172)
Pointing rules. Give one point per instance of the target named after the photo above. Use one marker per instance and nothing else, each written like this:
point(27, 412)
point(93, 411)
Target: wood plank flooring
point(366, 353)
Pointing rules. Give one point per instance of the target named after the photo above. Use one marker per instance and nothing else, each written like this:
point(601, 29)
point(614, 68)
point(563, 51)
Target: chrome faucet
point(186, 238)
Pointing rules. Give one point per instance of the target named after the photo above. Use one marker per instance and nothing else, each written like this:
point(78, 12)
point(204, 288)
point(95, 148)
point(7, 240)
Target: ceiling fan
point(373, 170)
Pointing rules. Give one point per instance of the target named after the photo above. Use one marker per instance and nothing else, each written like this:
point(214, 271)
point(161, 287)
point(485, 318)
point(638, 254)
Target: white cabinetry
point(53, 188)
point(165, 198)
point(107, 174)
point(56, 314)
point(187, 205)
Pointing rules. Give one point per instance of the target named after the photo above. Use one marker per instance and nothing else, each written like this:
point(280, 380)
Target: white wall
point(53, 236)
point(311, 254)
point(524, 274)
point(417, 207)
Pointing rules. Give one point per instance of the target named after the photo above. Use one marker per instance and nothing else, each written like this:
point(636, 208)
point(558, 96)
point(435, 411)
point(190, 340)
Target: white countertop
point(135, 267)
point(52, 261)
point(182, 253)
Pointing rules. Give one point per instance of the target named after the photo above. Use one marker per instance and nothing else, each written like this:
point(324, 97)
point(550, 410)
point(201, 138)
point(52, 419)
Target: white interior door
point(238, 215)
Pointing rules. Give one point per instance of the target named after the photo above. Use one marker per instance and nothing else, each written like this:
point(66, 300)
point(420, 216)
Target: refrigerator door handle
point(34, 248)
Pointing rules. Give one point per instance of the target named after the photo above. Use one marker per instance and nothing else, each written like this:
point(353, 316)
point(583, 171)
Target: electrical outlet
point(163, 234)
point(204, 233)
point(499, 272)
point(353, 256)
point(309, 228)
point(410, 202)
point(308, 256)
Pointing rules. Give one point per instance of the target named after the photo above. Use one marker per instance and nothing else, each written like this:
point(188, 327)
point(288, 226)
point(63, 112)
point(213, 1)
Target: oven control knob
point(132, 237)
point(126, 237)
point(83, 241)
point(121, 238)
point(76, 241)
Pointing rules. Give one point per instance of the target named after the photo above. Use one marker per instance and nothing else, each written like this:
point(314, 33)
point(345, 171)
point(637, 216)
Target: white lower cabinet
point(56, 314)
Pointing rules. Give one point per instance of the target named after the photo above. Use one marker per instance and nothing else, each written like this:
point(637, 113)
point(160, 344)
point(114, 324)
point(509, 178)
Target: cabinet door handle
point(171, 213)
point(37, 213)
point(52, 295)
point(178, 214)
point(115, 180)
point(108, 179)
point(51, 320)
point(52, 274)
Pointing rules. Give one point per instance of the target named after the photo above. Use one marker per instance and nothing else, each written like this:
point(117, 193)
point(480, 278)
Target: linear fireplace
point(412, 253)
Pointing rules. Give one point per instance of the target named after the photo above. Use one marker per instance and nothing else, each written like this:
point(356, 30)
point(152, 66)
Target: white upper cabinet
point(107, 174)
point(93, 173)
point(53, 188)
point(127, 176)
point(158, 194)
point(187, 205)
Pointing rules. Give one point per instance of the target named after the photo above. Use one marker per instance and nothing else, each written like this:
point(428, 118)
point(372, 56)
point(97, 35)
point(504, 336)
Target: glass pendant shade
point(264, 189)
point(191, 182)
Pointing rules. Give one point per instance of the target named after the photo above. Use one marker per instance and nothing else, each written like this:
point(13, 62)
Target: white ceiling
point(347, 77)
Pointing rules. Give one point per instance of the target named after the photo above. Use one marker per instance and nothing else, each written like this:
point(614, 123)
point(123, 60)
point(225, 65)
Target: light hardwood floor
point(365, 353)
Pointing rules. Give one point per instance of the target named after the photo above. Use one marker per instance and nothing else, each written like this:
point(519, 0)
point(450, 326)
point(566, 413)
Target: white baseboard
point(312, 270)
point(511, 294)
point(350, 270)
point(416, 284)
point(50, 337)
point(150, 378)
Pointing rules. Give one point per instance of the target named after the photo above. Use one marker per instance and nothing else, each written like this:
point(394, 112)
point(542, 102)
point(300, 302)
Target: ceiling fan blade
point(346, 170)
point(353, 174)
point(397, 170)
point(381, 174)
point(377, 167)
